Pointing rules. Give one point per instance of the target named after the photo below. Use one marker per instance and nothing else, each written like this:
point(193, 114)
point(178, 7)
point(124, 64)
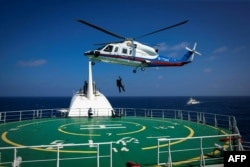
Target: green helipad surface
point(133, 139)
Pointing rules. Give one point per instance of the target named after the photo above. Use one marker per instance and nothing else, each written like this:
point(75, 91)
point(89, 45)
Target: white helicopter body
point(132, 53)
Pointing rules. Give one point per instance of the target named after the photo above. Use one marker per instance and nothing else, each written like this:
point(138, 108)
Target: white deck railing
point(216, 120)
point(17, 160)
point(205, 154)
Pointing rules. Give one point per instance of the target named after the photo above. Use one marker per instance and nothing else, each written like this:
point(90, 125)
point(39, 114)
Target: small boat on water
point(192, 101)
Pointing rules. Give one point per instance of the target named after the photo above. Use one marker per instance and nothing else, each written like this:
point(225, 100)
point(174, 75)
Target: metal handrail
point(229, 146)
point(17, 160)
point(217, 120)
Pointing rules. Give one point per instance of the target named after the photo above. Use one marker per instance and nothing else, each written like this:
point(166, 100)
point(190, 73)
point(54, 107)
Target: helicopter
point(133, 53)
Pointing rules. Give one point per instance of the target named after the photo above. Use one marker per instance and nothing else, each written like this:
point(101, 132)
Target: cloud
point(220, 50)
point(239, 49)
point(179, 46)
point(164, 47)
point(212, 57)
point(160, 77)
point(31, 63)
point(207, 70)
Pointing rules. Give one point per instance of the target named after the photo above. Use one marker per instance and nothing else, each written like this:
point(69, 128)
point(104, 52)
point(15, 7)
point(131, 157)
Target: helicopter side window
point(109, 48)
point(130, 52)
point(116, 49)
point(124, 50)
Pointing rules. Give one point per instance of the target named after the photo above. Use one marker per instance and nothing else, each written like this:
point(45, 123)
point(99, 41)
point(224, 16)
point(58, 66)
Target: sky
point(42, 46)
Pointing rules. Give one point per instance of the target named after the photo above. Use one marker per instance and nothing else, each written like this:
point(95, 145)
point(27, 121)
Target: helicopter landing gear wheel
point(142, 69)
point(134, 71)
point(92, 63)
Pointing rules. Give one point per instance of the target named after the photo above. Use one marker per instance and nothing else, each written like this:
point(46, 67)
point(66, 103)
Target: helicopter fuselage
point(131, 54)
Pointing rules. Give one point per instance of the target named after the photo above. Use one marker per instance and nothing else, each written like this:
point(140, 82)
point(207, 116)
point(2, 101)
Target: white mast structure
point(90, 93)
point(88, 97)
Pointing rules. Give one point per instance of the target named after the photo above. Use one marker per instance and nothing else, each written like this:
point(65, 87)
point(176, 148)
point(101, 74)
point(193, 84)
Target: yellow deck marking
point(142, 129)
point(60, 129)
point(4, 138)
point(76, 134)
point(34, 123)
point(176, 142)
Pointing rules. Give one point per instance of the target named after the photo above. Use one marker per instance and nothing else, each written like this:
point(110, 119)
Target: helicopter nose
point(92, 53)
point(88, 53)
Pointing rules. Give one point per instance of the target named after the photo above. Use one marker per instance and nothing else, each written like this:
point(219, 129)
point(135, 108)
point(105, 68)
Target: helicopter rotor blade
point(105, 43)
point(163, 29)
point(101, 29)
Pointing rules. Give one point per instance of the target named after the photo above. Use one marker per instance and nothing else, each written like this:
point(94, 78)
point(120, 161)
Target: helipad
point(108, 141)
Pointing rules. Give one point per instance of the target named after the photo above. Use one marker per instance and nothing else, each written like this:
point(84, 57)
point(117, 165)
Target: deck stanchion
point(215, 121)
point(169, 155)
point(20, 116)
point(41, 114)
point(111, 154)
point(158, 152)
point(52, 112)
point(58, 157)
point(230, 126)
point(197, 115)
point(97, 155)
point(202, 160)
point(0, 116)
point(15, 152)
point(4, 119)
point(204, 119)
point(34, 113)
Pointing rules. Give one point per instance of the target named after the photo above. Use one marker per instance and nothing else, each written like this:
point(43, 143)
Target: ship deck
point(110, 142)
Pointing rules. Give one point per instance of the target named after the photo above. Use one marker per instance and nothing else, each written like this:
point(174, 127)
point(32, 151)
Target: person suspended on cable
point(120, 85)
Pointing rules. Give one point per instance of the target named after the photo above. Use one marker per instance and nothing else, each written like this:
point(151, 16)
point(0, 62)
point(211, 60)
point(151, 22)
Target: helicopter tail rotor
point(192, 52)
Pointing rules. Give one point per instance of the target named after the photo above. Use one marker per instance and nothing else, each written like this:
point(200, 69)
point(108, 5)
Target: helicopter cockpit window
point(109, 48)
